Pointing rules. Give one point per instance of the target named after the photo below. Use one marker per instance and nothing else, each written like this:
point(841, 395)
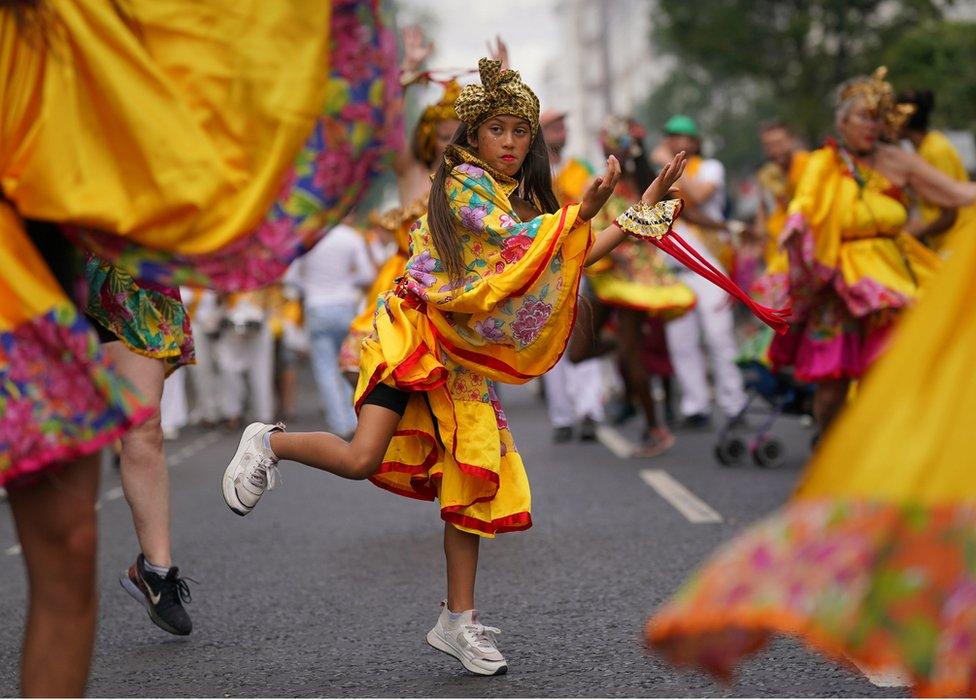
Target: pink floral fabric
point(59, 398)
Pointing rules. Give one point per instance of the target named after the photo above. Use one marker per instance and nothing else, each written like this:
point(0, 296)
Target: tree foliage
point(740, 61)
point(939, 57)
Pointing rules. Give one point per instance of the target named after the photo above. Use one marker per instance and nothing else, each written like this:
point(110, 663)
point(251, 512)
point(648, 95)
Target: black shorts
point(388, 397)
point(65, 262)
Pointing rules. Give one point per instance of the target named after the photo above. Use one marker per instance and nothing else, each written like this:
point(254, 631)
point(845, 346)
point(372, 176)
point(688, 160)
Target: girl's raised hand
point(416, 48)
point(662, 184)
point(601, 189)
point(499, 51)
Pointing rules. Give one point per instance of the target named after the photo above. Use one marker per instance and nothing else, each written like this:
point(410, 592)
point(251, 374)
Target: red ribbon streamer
point(682, 251)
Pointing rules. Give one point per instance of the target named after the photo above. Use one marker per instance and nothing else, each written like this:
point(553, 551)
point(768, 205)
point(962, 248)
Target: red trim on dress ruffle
point(510, 523)
point(411, 361)
point(550, 254)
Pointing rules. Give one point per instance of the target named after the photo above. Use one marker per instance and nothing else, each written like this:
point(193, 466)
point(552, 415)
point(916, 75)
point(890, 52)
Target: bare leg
point(287, 383)
point(585, 342)
point(461, 551)
point(358, 458)
point(638, 381)
point(636, 378)
point(57, 527)
point(828, 400)
point(145, 478)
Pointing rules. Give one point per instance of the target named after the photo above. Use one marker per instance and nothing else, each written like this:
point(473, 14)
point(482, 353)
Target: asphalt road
point(328, 588)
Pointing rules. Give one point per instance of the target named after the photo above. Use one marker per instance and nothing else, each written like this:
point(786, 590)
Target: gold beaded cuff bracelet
point(650, 221)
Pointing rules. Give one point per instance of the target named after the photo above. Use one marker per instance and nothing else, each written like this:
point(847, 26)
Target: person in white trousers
point(711, 323)
point(201, 305)
point(173, 414)
point(574, 392)
point(245, 358)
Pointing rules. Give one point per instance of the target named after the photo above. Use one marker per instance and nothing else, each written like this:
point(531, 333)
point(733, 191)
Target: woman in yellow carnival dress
point(852, 267)
point(632, 283)
point(263, 132)
point(871, 560)
point(489, 295)
point(778, 180)
point(413, 167)
point(936, 224)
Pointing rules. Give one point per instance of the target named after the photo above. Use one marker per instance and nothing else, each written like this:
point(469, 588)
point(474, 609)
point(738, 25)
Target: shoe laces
point(481, 636)
point(265, 474)
point(183, 589)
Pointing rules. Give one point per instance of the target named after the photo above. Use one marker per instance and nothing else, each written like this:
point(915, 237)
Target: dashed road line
point(885, 677)
point(190, 449)
point(614, 441)
point(178, 457)
point(674, 492)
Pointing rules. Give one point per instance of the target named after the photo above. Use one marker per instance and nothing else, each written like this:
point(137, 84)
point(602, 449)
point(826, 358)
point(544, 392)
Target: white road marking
point(885, 677)
point(181, 455)
point(190, 449)
point(615, 442)
point(672, 491)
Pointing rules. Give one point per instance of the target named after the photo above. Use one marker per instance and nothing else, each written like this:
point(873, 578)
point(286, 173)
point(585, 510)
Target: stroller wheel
point(769, 453)
point(730, 452)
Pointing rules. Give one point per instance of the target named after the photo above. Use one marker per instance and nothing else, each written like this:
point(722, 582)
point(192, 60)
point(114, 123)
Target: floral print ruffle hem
point(882, 585)
point(148, 319)
point(58, 398)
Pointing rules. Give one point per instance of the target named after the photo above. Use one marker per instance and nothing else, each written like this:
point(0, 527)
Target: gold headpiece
point(880, 99)
point(500, 92)
point(433, 115)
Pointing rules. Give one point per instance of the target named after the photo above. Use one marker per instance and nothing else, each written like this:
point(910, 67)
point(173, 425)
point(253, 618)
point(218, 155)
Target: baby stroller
point(780, 392)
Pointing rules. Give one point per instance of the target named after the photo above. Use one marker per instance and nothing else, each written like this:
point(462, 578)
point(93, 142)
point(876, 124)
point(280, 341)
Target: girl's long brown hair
point(535, 185)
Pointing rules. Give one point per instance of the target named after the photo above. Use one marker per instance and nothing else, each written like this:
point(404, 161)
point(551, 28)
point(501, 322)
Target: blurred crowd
point(653, 339)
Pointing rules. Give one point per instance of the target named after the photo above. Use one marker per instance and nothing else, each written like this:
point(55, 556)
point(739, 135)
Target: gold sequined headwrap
point(433, 115)
point(879, 96)
point(500, 92)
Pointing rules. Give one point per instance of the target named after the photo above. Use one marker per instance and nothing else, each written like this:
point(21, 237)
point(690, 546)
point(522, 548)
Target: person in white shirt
point(703, 189)
point(332, 277)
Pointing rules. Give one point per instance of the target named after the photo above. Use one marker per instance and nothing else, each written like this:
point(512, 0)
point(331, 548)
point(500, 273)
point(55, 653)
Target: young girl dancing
point(489, 295)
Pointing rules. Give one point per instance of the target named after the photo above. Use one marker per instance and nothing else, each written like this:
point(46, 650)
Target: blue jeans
point(327, 326)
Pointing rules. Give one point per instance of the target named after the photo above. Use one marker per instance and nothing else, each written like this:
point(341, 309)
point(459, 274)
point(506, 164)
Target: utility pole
point(605, 68)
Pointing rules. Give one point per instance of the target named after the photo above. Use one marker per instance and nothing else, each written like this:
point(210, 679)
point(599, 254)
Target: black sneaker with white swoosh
point(162, 596)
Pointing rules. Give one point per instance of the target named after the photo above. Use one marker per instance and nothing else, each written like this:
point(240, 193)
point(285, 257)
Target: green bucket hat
point(681, 125)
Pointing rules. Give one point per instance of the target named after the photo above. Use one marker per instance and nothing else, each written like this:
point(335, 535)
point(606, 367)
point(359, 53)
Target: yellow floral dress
point(634, 275)
point(872, 560)
point(852, 268)
point(508, 320)
point(265, 131)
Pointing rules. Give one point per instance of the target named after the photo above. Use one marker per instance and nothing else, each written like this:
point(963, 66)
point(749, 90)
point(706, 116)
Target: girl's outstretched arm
point(612, 236)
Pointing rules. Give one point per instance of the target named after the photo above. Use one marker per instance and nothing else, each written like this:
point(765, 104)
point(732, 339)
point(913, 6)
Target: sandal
point(655, 442)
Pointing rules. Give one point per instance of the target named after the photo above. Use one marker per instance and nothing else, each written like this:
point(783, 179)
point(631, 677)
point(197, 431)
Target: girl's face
point(503, 142)
point(860, 128)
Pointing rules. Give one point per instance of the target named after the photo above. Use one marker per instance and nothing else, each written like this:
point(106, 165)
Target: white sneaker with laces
point(468, 641)
point(252, 471)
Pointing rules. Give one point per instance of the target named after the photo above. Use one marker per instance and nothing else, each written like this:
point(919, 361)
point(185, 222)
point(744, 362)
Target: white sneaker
point(252, 471)
point(468, 641)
